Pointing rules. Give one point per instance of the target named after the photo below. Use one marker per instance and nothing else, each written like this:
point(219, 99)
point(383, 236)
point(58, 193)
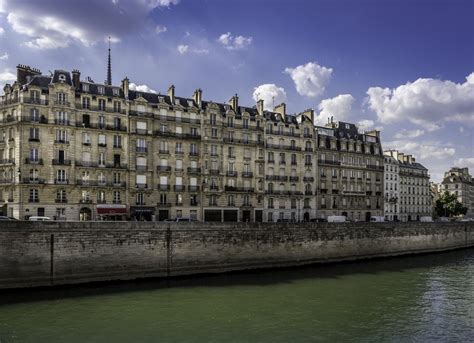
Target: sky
point(404, 67)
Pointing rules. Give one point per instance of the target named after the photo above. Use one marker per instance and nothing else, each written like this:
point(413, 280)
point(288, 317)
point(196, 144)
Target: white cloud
point(160, 29)
point(339, 107)
point(461, 129)
point(49, 24)
point(4, 56)
point(182, 49)
point(427, 102)
point(465, 162)
point(310, 79)
point(404, 134)
point(201, 51)
point(6, 76)
point(234, 43)
point(365, 124)
point(142, 88)
point(423, 150)
point(270, 93)
point(2, 31)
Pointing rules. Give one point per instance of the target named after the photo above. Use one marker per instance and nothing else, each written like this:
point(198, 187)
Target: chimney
point(260, 107)
point(234, 103)
point(171, 93)
point(310, 113)
point(125, 86)
point(76, 78)
point(197, 96)
point(24, 72)
point(280, 109)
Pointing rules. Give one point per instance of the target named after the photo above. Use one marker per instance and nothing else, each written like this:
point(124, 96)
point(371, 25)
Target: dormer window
point(161, 99)
point(139, 95)
point(190, 103)
point(347, 127)
point(101, 89)
point(116, 91)
point(176, 101)
point(62, 77)
point(85, 87)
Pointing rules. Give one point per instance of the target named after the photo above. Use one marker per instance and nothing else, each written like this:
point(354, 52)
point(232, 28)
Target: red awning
point(111, 209)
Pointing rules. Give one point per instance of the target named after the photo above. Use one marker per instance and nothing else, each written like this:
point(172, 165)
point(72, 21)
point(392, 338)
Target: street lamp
point(19, 192)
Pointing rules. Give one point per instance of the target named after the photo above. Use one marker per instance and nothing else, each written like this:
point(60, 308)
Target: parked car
point(3, 218)
point(426, 219)
point(337, 219)
point(377, 219)
point(318, 220)
point(39, 219)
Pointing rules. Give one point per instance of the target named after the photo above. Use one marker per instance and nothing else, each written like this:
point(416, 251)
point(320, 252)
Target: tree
point(448, 206)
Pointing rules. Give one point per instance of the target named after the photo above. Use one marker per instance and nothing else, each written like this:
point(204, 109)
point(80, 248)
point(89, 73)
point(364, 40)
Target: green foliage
point(448, 206)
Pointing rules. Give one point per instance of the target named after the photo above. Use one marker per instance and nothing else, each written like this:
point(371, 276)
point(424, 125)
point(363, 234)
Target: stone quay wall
point(57, 253)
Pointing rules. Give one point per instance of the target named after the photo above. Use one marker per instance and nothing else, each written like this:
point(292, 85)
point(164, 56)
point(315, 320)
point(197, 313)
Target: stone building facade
point(458, 181)
point(79, 150)
point(350, 173)
point(415, 194)
point(391, 188)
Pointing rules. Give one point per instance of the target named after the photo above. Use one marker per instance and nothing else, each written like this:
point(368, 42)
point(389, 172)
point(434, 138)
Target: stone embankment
point(56, 253)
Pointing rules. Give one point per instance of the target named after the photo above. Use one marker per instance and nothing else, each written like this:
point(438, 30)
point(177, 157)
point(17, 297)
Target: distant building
point(391, 188)
point(458, 181)
point(415, 195)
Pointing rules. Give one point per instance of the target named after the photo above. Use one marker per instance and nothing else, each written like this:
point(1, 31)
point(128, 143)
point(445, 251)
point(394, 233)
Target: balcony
point(61, 122)
point(294, 178)
point(62, 103)
point(328, 162)
point(163, 187)
point(276, 178)
point(34, 200)
point(193, 153)
point(214, 171)
point(239, 189)
point(193, 188)
point(164, 204)
point(33, 181)
point(8, 161)
point(85, 201)
point(247, 174)
point(308, 193)
point(270, 161)
point(28, 161)
point(141, 185)
point(192, 170)
point(308, 179)
point(80, 163)
point(102, 145)
point(61, 181)
point(163, 168)
point(179, 188)
point(308, 164)
point(141, 149)
point(33, 139)
point(214, 188)
point(60, 141)
point(231, 173)
point(61, 162)
point(116, 165)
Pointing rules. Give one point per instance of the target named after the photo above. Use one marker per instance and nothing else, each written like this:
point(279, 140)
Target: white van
point(39, 219)
point(426, 219)
point(337, 219)
point(377, 219)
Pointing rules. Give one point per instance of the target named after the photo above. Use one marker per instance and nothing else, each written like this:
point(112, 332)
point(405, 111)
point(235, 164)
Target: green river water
point(422, 298)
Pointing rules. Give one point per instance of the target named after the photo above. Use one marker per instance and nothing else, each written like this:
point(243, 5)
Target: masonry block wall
point(42, 254)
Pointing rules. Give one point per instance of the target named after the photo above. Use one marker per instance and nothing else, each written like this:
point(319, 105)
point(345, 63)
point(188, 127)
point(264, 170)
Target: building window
point(33, 195)
point(117, 199)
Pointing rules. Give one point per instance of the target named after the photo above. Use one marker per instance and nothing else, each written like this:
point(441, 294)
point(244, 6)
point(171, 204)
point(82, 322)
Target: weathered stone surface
point(53, 253)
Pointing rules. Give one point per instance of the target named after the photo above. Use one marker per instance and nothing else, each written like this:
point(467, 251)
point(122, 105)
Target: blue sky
point(401, 66)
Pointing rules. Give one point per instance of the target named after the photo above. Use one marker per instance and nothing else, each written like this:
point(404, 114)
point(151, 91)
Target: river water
point(422, 298)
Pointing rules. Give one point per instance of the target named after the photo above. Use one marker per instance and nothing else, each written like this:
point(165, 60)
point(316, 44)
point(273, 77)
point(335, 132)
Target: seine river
point(424, 299)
